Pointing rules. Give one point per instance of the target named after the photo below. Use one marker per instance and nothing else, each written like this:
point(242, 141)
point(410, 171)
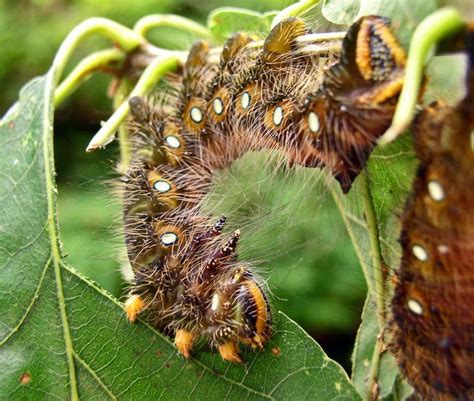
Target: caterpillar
point(320, 108)
point(432, 308)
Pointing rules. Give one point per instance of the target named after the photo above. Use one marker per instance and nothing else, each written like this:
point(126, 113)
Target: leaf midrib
point(53, 227)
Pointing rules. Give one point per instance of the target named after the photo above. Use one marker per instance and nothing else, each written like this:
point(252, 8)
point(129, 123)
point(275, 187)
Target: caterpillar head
point(240, 312)
point(253, 310)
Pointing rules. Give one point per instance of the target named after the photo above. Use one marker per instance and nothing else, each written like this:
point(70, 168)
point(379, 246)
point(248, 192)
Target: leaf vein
point(95, 376)
point(29, 307)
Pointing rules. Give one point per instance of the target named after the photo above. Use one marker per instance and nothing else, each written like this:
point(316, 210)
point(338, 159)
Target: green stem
point(295, 10)
point(374, 367)
point(124, 141)
point(84, 70)
point(53, 230)
point(124, 37)
point(378, 287)
point(442, 23)
point(152, 74)
point(169, 20)
point(375, 250)
point(374, 276)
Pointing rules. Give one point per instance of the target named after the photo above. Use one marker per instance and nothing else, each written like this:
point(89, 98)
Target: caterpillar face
point(321, 109)
point(239, 311)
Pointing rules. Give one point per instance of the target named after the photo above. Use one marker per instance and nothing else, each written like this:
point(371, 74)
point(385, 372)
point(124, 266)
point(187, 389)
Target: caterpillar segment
point(355, 103)
point(432, 308)
point(320, 110)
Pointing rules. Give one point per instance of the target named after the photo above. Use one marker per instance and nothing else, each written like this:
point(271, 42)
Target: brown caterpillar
point(325, 109)
point(432, 305)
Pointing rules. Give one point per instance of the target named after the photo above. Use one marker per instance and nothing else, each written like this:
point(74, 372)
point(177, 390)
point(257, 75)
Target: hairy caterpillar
point(432, 305)
point(320, 108)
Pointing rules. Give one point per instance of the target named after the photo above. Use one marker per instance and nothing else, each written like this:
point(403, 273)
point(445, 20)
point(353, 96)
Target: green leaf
point(224, 22)
point(390, 170)
point(390, 378)
point(342, 12)
point(364, 348)
point(61, 336)
point(269, 15)
point(32, 329)
point(446, 79)
point(405, 15)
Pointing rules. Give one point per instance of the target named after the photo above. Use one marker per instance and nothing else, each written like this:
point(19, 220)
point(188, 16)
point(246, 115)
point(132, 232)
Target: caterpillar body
point(432, 306)
point(325, 109)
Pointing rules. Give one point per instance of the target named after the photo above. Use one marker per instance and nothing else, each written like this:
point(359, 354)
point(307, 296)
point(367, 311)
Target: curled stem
point(124, 142)
point(123, 36)
point(438, 25)
point(84, 70)
point(295, 10)
point(169, 20)
point(152, 74)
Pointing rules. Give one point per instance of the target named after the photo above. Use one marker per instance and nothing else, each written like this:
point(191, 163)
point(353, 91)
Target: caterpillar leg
point(184, 341)
point(230, 352)
point(133, 306)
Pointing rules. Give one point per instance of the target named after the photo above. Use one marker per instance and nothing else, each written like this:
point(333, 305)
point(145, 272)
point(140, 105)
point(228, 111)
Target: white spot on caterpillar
point(443, 249)
point(161, 186)
point(277, 115)
point(196, 114)
point(245, 100)
point(218, 106)
point(415, 307)
point(313, 122)
point(172, 142)
point(435, 190)
point(168, 238)
point(420, 253)
point(216, 302)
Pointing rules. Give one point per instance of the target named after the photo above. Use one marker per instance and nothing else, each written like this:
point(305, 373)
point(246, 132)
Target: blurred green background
point(289, 225)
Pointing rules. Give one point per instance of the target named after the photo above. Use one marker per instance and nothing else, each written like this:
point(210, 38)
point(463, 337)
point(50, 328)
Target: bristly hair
point(320, 110)
point(432, 305)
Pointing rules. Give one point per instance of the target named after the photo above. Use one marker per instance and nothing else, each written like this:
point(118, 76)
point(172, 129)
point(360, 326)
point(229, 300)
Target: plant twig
point(84, 70)
point(438, 25)
point(379, 283)
point(124, 141)
point(169, 20)
point(152, 74)
point(373, 386)
point(123, 36)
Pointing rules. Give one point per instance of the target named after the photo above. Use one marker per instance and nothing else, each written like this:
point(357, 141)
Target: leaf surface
point(224, 22)
point(61, 336)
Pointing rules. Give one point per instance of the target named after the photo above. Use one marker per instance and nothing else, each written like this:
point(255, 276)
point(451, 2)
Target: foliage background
point(289, 228)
